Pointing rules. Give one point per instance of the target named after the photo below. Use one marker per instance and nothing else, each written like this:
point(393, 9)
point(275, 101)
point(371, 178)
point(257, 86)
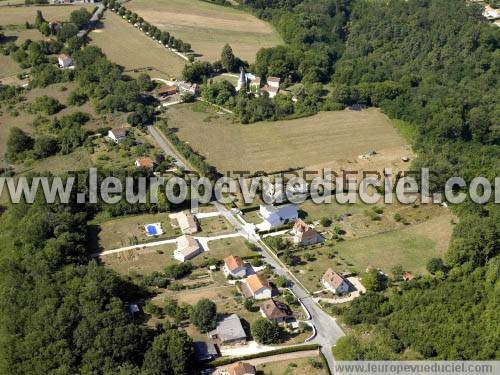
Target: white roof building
point(276, 216)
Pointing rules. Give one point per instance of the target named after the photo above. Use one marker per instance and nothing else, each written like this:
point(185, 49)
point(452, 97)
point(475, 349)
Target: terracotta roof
point(333, 278)
point(233, 262)
point(145, 162)
point(303, 230)
point(63, 56)
point(167, 90)
point(407, 276)
point(240, 368)
point(257, 282)
point(274, 310)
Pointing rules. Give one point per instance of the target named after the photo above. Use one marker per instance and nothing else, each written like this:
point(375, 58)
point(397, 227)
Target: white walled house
point(118, 135)
point(276, 216)
point(64, 60)
point(335, 283)
point(235, 267)
point(257, 287)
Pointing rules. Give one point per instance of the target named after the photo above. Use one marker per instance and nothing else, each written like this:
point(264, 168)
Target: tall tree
point(228, 59)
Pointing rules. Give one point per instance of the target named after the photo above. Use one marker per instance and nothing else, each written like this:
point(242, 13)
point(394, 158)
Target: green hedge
point(227, 360)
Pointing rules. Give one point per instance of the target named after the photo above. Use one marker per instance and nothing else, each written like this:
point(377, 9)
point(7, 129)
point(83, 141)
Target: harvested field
point(136, 51)
point(271, 146)
point(208, 26)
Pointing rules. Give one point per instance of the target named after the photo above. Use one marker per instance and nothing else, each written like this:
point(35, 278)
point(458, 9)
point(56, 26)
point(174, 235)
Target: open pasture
point(273, 146)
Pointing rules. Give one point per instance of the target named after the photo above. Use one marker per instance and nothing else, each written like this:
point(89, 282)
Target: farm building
point(275, 311)
point(117, 135)
point(335, 283)
point(235, 267)
point(229, 331)
point(166, 91)
point(304, 234)
point(187, 248)
point(145, 163)
point(276, 216)
point(257, 287)
point(185, 221)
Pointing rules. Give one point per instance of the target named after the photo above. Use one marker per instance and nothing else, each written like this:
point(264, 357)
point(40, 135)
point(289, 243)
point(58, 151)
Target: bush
point(265, 332)
point(178, 271)
point(47, 105)
point(204, 315)
point(326, 221)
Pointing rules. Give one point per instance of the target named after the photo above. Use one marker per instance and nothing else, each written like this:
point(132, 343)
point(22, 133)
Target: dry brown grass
point(20, 14)
point(208, 27)
point(270, 146)
point(131, 48)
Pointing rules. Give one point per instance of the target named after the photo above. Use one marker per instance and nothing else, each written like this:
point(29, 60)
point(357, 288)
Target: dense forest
point(434, 64)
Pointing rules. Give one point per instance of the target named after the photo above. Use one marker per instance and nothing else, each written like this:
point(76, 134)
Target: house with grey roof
point(229, 331)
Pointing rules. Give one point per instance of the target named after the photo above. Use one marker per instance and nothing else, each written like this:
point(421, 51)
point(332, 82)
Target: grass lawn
point(271, 146)
point(409, 246)
point(208, 27)
point(129, 230)
point(212, 226)
point(19, 15)
point(297, 366)
point(221, 249)
point(142, 261)
point(136, 51)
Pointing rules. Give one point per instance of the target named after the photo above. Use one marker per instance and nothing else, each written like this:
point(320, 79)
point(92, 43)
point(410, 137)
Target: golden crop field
point(136, 50)
point(272, 146)
point(208, 26)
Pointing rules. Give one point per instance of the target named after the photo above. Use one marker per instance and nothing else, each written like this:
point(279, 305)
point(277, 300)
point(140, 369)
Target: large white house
point(187, 248)
point(276, 216)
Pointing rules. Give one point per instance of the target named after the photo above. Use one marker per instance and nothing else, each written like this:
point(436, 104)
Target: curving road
point(327, 329)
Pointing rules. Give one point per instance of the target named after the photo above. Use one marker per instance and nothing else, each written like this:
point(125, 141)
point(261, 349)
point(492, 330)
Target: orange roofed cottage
point(234, 266)
point(257, 287)
point(239, 368)
point(147, 163)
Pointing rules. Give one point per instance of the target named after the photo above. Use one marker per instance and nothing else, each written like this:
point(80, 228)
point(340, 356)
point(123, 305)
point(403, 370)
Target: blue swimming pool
point(151, 230)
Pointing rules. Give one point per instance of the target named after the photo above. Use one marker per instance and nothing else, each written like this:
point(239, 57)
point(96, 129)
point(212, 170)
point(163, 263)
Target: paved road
point(95, 17)
point(328, 331)
point(166, 148)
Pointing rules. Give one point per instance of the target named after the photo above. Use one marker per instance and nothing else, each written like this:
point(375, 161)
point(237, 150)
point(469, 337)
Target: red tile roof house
point(335, 283)
point(238, 368)
point(257, 287)
point(275, 311)
point(145, 162)
point(235, 267)
point(304, 234)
